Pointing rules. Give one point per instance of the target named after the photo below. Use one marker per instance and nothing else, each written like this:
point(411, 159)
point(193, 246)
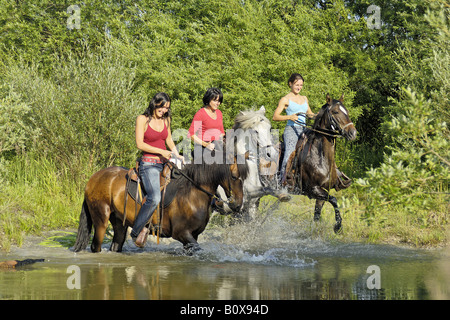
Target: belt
point(151, 160)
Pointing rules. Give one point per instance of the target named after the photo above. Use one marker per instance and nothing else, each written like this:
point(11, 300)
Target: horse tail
point(84, 229)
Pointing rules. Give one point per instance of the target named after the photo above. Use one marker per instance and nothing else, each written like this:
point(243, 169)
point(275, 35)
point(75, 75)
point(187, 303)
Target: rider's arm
point(281, 106)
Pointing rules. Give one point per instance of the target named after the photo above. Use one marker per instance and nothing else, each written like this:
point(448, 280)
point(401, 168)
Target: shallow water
point(238, 262)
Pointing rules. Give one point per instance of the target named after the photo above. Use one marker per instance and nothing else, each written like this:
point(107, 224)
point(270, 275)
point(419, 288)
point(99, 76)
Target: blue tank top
point(294, 107)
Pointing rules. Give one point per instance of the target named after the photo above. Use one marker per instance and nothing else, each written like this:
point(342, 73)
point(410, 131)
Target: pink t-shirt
point(205, 127)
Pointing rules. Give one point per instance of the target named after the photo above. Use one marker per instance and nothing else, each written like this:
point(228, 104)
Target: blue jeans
point(149, 173)
point(290, 137)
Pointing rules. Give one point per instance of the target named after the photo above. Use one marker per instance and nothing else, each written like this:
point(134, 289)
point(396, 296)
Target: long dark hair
point(158, 101)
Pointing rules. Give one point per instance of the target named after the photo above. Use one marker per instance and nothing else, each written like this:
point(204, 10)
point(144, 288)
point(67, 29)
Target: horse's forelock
point(248, 119)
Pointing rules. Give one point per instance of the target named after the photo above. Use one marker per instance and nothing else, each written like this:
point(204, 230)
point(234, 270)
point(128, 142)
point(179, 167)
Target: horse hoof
point(337, 228)
point(190, 249)
point(284, 197)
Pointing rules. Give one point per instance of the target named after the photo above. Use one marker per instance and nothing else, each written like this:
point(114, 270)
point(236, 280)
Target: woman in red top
point(152, 135)
point(207, 125)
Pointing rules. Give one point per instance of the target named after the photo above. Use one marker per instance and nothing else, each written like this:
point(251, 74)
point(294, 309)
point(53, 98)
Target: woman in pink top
point(207, 125)
point(152, 135)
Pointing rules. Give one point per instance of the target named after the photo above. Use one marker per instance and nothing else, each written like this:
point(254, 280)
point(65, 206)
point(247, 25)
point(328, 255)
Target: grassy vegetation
point(35, 198)
point(418, 228)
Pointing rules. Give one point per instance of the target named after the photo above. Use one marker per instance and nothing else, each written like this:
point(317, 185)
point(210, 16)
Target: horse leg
point(189, 242)
point(120, 233)
point(99, 234)
point(321, 195)
point(337, 214)
point(100, 224)
point(318, 209)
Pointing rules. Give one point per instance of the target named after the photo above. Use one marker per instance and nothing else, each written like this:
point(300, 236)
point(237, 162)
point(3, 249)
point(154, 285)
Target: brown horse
point(184, 219)
point(313, 163)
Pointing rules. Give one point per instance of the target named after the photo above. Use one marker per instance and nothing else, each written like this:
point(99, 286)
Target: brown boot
point(141, 238)
point(343, 182)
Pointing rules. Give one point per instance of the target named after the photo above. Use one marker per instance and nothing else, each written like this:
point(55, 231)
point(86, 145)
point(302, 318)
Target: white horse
point(252, 133)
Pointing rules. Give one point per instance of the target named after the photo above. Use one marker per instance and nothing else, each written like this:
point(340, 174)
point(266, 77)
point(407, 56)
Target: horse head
point(258, 127)
point(233, 184)
point(338, 118)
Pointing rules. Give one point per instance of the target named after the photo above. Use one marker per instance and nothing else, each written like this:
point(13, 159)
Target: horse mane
point(249, 118)
point(211, 174)
point(320, 115)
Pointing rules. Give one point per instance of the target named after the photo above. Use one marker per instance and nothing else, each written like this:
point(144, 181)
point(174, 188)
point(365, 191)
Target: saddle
point(288, 180)
point(342, 181)
point(135, 188)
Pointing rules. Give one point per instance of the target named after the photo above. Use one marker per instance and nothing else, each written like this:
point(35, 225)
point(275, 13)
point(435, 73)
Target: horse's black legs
point(190, 244)
point(337, 214)
point(321, 196)
point(120, 233)
point(318, 209)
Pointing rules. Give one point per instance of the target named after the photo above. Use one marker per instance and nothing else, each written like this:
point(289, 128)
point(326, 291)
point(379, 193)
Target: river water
point(271, 262)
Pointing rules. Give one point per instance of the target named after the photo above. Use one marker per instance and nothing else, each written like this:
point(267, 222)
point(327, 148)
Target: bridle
point(334, 123)
point(333, 133)
point(214, 196)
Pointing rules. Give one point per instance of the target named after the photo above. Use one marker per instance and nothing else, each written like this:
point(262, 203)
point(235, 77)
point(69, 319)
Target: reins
point(326, 132)
point(214, 196)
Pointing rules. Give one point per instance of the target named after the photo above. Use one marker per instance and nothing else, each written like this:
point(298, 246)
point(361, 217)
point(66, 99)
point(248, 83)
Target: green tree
point(415, 173)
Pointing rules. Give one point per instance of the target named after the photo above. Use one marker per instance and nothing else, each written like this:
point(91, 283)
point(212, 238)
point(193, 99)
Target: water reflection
point(156, 276)
point(229, 268)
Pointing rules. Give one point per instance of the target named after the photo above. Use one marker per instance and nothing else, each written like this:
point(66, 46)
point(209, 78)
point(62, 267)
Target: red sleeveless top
point(156, 139)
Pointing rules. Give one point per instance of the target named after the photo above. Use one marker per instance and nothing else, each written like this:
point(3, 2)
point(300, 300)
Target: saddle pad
point(132, 189)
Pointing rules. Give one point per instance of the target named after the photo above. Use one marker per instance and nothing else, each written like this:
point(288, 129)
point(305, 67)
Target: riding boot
point(141, 239)
point(343, 182)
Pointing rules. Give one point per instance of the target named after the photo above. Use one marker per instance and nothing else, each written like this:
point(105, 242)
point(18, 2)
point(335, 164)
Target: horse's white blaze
point(343, 109)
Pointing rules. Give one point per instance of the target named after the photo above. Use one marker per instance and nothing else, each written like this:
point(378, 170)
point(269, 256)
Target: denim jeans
point(149, 173)
point(290, 137)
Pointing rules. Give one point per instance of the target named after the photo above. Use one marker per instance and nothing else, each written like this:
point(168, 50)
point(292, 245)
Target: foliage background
point(69, 97)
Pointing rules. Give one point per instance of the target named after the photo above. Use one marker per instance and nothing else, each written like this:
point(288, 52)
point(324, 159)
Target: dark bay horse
point(184, 219)
point(312, 167)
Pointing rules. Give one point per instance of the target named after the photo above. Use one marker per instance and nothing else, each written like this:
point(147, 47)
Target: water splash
point(275, 256)
point(264, 241)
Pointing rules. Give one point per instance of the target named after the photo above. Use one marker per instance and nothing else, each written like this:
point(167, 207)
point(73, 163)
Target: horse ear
point(328, 99)
point(341, 99)
point(262, 109)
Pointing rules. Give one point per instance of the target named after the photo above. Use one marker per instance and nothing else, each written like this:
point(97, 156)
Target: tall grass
point(36, 197)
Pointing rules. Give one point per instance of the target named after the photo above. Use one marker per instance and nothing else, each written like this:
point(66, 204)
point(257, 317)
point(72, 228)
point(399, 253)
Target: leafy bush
point(414, 177)
point(84, 112)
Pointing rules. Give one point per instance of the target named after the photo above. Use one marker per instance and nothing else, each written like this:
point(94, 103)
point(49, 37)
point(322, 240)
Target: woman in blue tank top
point(297, 109)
